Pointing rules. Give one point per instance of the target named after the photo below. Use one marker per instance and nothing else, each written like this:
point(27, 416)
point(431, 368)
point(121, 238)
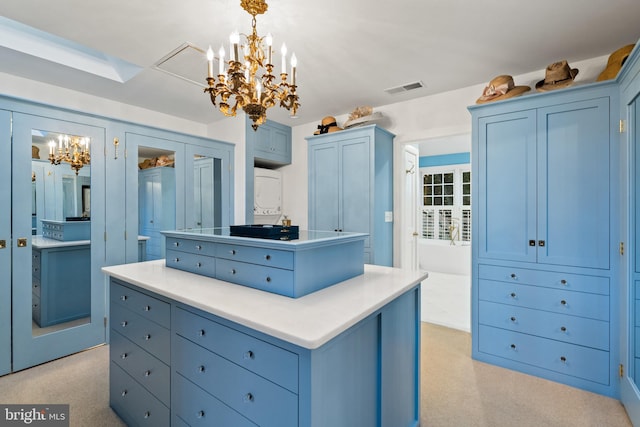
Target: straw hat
point(501, 87)
point(328, 125)
point(615, 62)
point(557, 75)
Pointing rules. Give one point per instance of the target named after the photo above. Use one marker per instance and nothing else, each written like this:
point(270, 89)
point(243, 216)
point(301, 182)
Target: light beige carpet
point(455, 390)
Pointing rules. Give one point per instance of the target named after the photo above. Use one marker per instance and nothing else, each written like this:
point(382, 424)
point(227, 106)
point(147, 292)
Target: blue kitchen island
point(191, 350)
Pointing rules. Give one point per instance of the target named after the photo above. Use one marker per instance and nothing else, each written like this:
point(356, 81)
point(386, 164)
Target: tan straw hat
point(615, 62)
point(557, 76)
point(328, 125)
point(501, 87)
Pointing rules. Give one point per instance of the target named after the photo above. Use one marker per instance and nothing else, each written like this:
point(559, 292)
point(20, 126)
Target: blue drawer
point(561, 327)
point(149, 335)
point(566, 302)
point(145, 305)
point(267, 360)
point(194, 407)
point(258, 399)
point(637, 341)
point(147, 370)
point(135, 405)
point(35, 286)
point(269, 279)
point(35, 263)
point(261, 256)
point(193, 263)
point(569, 359)
point(548, 279)
point(35, 308)
point(191, 246)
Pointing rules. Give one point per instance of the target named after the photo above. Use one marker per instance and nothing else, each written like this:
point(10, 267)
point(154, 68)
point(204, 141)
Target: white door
point(410, 208)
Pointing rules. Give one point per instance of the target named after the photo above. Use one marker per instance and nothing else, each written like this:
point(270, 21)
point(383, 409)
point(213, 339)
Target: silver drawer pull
point(147, 414)
point(176, 244)
point(248, 355)
point(124, 356)
point(201, 368)
point(233, 271)
point(123, 297)
point(512, 294)
point(563, 282)
point(563, 359)
point(176, 260)
point(268, 279)
point(200, 414)
point(513, 276)
point(563, 328)
point(563, 302)
point(248, 398)
point(198, 264)
point(199, 247)
point(147, 337)
point(201, 333)
point(124, 324)
point(232, 251)
point(124, 393)
point(513, 346)
point(147, 373)
point(267, 257)
point(147, 308)
point(513, 319)
point(35, 269)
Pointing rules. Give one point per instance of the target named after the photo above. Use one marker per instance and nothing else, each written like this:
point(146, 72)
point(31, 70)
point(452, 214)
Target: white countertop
point(309, 321)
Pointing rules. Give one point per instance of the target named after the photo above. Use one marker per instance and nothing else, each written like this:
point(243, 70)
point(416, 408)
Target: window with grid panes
point(446, 200)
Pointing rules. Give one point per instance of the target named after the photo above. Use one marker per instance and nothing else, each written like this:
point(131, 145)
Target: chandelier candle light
point(252, 93)
point(73, 150)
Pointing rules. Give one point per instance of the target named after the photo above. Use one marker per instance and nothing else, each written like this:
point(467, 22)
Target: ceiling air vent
point(404, 88)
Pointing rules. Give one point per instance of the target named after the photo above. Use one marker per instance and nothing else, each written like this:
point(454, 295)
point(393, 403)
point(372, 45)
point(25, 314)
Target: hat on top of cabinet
point(557, 75)
point(328, 125)
point(615, 62)
point(501, 87)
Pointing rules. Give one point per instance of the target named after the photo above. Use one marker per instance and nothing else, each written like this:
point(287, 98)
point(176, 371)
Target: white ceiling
point(349, 51)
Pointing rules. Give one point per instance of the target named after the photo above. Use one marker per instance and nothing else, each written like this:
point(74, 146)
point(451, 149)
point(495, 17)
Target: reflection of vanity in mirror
point(61, 228)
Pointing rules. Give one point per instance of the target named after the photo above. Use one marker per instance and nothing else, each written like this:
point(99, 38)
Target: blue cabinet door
point(573, 184)
point(5, 245)
point(356, 186)
point(324, 187)
point(506, 186)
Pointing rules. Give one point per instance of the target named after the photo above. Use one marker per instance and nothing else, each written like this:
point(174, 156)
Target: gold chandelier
point(71, 149)
point(240, 81)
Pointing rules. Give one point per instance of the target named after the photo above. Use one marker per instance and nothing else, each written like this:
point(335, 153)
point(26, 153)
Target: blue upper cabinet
point(543, 182)
point(351, 187)
point(157, 205)
point(271, 143)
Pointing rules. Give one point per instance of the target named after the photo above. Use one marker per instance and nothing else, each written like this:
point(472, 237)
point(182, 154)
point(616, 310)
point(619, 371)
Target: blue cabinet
point(271, 144)
point(157, 207)
point(545, 236)
point(5, 246)
point(351, 187)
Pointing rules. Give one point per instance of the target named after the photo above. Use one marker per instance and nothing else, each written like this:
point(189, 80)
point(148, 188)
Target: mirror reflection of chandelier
point(253, 93)
point(71, 149)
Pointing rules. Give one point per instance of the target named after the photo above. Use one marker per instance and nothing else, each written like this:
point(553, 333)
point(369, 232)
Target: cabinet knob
point(513, 319)
point(541, 243)
point(176, 244)
point(124, 324)
point(201, 368)
point(563, 282)
point(563, 302)
point(123, 297)
point(200, 414)
point(124, 356)
point(147, 308)
point(201, 333)
point(176, 260)
point(147, 337)
point(267, 257)
point(232, 251)
point(513, 346)
point(513, 276)
point(233, 271)
point(248, 355)
point(123, 393)
point(199, 247)
point(563, 359)
point(198, 264)
point(268, 279)
point(563, 328)
point(532, 242)
point(147, 373)
point(512, 294)
point(147, 414)
point(248, 398)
